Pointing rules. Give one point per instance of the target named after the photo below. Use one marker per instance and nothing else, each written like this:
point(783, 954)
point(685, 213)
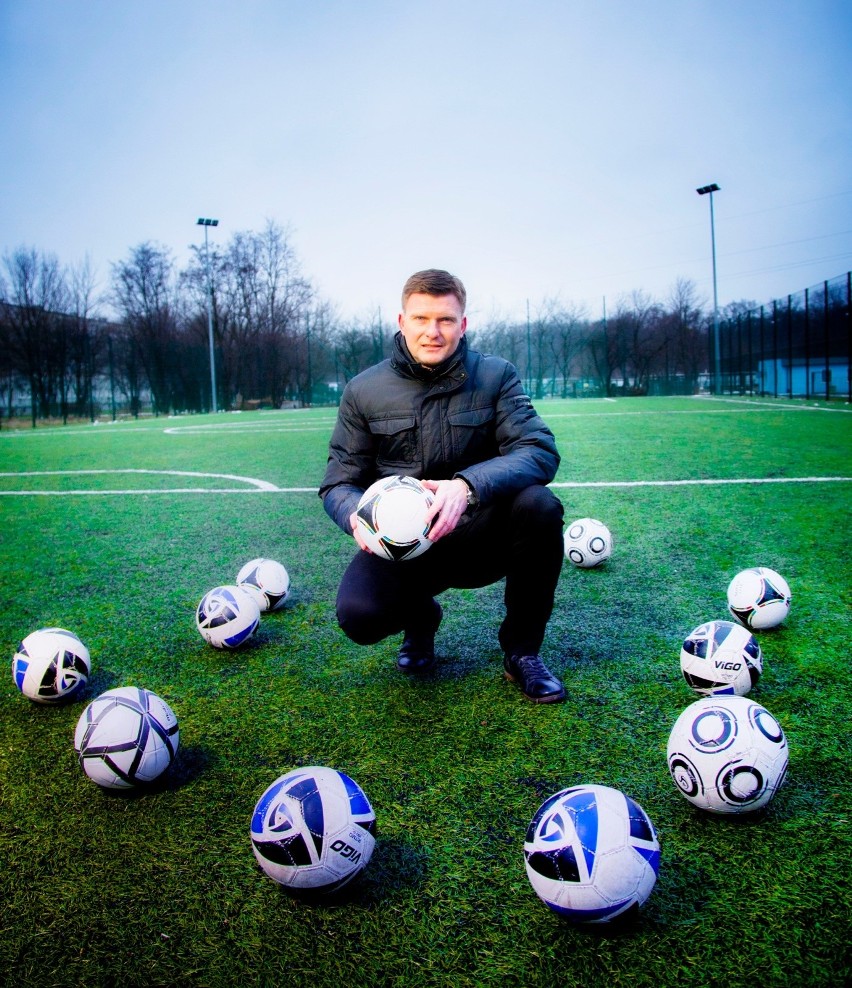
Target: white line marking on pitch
point(256, 486)
point(260, 485)
point(702, 482)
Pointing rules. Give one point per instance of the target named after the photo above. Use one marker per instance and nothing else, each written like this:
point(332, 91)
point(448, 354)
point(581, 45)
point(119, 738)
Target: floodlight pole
point(703, 191)
point(207, 223)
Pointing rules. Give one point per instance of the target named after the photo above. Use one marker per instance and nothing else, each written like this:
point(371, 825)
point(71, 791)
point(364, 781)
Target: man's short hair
point(435, 282)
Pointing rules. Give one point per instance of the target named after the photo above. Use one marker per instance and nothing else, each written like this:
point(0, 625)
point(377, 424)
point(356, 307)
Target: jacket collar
point(405, 364)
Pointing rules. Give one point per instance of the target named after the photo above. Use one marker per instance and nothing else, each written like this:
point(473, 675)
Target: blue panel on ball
point(582, 806)
point(235, 640)
point(358, 802)
point(306, 791)
point(262, 809)
point(590, 915)
point(651, 855)
point(20, 671)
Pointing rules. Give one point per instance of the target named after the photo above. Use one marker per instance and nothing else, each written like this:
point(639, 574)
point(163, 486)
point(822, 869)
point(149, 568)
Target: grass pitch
point(117, 531)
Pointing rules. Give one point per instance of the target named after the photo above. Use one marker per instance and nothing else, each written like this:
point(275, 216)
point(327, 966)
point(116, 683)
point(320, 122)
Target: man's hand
point(449, 505)
point(356, 532)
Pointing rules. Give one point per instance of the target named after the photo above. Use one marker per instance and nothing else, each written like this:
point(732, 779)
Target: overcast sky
point(538, 149)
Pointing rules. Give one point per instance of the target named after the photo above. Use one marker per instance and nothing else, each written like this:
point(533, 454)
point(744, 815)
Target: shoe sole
point(548, 698)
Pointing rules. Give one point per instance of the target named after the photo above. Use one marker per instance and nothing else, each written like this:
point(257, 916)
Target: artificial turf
point(160, 886)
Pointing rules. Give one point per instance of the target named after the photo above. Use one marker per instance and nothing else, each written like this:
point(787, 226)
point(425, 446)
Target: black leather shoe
point(417, 652)
point(537, 682)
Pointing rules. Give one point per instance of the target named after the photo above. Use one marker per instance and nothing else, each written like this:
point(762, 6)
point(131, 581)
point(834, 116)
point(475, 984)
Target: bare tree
point(686, 340)
point(260, 301)
point(144, 292)
point(569, 338)
point(36, 326)
point(639, 339)
point(85, 343)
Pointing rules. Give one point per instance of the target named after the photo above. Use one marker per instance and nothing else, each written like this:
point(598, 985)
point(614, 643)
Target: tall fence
point(798, 346)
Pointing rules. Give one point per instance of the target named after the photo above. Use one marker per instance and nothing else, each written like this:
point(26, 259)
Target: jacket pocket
point(396, 440)
point(472, 432)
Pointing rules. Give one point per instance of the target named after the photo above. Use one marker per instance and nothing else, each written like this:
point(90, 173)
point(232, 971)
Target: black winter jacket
point(468, 417)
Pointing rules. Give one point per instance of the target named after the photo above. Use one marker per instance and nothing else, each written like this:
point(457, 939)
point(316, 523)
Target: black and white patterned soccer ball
point(759, 598)
point(392, 517)
point(227, 616)
point(313, 831)
point(721, 658)
point(267, 581)
point(126, 737)
point(727, 754)
point(51, 666)
point(591, 854)
point(588, 543)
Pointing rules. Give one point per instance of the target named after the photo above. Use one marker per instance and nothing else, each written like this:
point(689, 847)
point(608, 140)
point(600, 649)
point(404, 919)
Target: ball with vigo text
point(759, 598)
point(592, 854)
point(126, 737)
point(727, 754)
point(721, 657)
point(267, 581)
point(51, 665)
point(391, 517)
point(227, 616)
point(313, 831)
point(588, 543)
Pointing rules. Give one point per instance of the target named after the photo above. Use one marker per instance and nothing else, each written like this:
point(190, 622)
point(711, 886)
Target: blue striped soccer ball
point(592, 854)
point(313, 830)
point(227, 617)
point(51, 666)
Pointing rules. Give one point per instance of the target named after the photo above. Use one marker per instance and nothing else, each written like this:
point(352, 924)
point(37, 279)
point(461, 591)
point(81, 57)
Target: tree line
point(276, 341)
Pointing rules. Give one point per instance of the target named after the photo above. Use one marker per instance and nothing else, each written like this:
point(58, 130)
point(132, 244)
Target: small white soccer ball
point(721, 657)
point(267, 581)
point(126, 737)
point(727, 754)
point(591, 854)
point(588, 543)
point(227, 616)
point(759, 598)
point(392, 517)
point(51, 665)
point(313, 830)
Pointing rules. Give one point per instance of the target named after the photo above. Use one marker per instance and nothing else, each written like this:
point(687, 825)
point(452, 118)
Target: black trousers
point(519, 538)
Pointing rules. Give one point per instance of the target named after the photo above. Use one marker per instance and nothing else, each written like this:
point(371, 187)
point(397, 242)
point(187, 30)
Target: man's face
point(432, 327)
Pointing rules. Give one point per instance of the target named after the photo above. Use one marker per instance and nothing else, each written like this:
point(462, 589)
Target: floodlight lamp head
point(707, 188)
point(201, 221)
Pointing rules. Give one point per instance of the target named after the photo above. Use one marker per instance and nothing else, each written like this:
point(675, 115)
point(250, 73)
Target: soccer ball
point(51, 665)
point(227, 617)
point(591, 854)
point(720, 657)
point(313, 830)
point(391, 517)
point(727, 754)
point(759, 597)
point(588, 542)
point(267, 581)
point(125, 737)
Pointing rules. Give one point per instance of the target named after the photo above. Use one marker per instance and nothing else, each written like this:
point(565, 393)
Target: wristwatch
point(472, 499)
